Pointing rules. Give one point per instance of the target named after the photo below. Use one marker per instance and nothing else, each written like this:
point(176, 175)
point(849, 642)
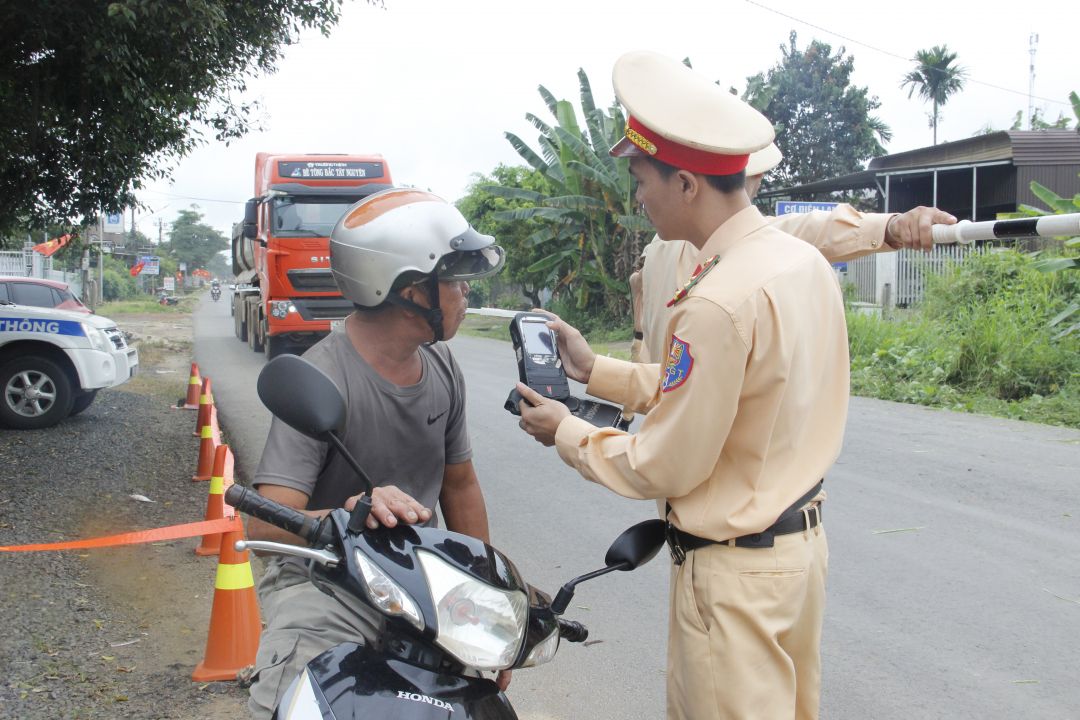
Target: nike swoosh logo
point(431, 420)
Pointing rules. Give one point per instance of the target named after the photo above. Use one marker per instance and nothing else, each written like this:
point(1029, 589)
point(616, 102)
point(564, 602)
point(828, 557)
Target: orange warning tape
point(171, 532)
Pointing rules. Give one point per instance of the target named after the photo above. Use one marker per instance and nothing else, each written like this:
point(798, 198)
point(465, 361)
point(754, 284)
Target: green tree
point(480, 206)
point(936, 78)
point(591, 232)
point(192, 241)
point(823, 123)
point(99, 97)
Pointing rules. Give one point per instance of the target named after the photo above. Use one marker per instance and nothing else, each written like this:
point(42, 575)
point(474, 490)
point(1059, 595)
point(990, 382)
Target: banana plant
point(591, 232)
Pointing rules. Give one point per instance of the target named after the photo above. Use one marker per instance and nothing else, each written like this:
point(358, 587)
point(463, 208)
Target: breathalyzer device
point(539, 364)
point(540, 367)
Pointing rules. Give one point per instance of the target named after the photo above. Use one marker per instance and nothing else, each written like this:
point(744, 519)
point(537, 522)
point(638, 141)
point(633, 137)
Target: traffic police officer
point(840, 234)
point(746, 414)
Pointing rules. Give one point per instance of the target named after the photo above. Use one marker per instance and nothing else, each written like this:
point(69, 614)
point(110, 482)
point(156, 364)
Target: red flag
point(137, 268)
point(49, 247)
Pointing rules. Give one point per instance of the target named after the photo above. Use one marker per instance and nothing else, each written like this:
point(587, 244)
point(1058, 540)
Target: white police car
point(53, 362)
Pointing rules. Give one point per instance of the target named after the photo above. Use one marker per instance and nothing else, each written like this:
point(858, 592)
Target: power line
point(188, 197)
point(895, 55)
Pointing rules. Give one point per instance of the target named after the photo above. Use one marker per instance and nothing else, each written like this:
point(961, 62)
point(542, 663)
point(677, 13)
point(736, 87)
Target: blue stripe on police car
point(38, 325)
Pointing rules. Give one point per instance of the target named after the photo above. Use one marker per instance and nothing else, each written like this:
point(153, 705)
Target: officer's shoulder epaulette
point(699, 272)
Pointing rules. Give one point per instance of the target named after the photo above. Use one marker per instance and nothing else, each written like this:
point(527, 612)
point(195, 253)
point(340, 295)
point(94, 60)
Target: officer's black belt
point(792, 520)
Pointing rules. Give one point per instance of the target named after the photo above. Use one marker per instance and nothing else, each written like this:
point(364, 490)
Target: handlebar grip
point(248, 501)
point(573, 631)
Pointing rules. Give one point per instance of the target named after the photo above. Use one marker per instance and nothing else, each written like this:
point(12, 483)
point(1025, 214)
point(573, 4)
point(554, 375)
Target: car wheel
point(82, 402)
point(36, 393)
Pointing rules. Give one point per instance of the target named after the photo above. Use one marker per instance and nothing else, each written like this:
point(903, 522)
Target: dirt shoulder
point(110, 633)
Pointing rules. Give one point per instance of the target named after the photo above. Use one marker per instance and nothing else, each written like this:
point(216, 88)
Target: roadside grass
point(143, 305)
point(979, 342)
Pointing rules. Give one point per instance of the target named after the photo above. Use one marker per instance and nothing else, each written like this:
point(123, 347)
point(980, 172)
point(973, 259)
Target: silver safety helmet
point(406, 234)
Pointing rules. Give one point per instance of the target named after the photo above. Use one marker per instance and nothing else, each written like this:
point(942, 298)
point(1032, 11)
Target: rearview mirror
point(637, 545)
point(302, 396)
point(251, 218)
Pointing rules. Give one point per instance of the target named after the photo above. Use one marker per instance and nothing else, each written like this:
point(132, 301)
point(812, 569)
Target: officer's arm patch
point(679, 364)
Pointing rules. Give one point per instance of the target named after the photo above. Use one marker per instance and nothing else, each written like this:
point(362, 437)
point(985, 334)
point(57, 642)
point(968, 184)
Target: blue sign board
point(787, 207)
point(791, 207)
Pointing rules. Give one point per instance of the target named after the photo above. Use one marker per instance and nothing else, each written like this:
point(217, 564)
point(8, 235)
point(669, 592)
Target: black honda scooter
point(447, 607)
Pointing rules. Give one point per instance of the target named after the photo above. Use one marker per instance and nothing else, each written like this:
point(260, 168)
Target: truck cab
point(286, 298)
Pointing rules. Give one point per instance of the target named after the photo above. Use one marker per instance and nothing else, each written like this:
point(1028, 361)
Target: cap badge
point(699, 273)
point(640, 140)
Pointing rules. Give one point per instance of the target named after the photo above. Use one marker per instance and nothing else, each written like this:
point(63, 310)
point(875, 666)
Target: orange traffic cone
point(206, 403)
point(204, 470)
point(191, 402)
point(215, 429)
point(235, 624)
point(215, 503)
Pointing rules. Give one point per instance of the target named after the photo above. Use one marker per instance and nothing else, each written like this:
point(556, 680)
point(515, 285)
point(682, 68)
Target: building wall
point(1062, 179)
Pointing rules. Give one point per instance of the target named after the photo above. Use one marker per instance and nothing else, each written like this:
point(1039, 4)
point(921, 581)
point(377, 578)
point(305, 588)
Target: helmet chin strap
point(433, 315)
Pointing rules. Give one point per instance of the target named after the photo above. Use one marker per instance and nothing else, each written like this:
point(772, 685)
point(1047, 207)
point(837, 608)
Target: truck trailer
point(285, 298)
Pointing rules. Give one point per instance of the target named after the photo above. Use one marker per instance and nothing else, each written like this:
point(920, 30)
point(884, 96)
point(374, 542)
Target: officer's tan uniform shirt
point(758, 418)
point(840, 234)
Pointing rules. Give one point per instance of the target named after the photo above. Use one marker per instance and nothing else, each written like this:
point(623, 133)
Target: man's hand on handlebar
point(390, 505)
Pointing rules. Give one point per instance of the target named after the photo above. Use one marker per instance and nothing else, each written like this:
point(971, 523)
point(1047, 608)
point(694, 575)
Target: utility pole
point(1033, 42)
point(101, 260)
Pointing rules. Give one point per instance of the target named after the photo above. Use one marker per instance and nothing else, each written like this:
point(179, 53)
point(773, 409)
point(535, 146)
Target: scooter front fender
point(353, 682)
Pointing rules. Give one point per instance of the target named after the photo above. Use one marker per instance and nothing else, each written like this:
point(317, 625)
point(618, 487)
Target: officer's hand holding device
point(541, 368)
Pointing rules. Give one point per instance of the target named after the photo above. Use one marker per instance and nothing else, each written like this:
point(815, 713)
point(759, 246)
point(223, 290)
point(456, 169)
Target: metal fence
point(890, 279)
point(27, 263)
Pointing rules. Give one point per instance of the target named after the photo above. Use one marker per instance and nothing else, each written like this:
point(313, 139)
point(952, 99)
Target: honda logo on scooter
point(417, 697)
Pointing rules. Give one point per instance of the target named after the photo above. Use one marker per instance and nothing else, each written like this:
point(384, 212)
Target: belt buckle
point(678, 554)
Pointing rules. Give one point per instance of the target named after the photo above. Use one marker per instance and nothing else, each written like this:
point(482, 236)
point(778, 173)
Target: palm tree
point(936, 78)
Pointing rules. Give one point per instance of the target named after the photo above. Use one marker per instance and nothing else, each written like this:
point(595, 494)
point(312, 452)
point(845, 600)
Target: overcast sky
point(432, 85)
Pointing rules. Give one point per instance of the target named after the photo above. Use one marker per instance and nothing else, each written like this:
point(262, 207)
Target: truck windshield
point(295, 216)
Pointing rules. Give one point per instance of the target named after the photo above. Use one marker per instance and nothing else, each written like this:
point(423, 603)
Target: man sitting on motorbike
point(404, 258)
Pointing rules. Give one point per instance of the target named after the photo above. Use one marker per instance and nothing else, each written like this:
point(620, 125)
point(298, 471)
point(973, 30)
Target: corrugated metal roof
point(1045, 147)
point(981, 148)
point(1020, 147)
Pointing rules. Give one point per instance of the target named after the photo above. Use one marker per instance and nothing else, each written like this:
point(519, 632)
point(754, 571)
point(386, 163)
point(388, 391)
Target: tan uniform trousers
point(744, 632)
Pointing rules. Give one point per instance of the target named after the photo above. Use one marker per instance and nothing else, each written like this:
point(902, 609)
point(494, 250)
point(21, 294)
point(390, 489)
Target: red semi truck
point(285, 298)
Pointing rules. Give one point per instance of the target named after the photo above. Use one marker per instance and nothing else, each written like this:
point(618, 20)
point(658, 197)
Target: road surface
point(954, 588)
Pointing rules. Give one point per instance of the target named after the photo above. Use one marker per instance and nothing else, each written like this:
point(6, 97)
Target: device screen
point(537, 338)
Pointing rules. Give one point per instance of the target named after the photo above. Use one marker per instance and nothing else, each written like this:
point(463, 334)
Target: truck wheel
point(82, 402)
point(255, 336)
point(36, 393)
point(240, 322)
point(277, 345)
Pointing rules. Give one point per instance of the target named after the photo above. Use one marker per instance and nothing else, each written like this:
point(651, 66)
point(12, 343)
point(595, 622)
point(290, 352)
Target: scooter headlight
point(481, 625)
point(386, 594)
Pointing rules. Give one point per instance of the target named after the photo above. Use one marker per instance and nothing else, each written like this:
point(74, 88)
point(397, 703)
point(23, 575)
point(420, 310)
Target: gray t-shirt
point(402, 436)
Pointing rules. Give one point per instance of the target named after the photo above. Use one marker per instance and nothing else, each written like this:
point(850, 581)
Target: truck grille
point(313, 280)
point(323, 308)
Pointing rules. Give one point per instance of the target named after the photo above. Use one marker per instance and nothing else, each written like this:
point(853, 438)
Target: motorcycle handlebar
point(573, 631)
point(314, 530)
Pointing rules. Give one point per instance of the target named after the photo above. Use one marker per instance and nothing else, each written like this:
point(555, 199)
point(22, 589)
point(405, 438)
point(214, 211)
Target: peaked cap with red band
point(684, 119)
